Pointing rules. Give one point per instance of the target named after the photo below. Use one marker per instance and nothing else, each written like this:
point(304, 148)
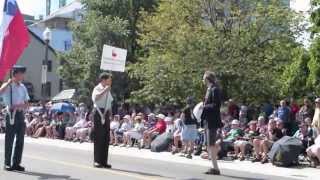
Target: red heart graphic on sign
point(114, 54)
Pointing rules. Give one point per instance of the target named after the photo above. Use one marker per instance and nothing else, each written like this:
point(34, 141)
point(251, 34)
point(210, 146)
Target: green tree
point(110, 22)
point(315, 16)
point(314, 67)
point(247, 44)
point(294, 78)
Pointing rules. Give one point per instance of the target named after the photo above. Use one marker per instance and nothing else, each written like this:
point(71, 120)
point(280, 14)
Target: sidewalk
point(245, 166)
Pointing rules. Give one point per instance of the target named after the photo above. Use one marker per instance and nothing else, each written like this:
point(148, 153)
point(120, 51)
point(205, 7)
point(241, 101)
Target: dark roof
point(42, 41)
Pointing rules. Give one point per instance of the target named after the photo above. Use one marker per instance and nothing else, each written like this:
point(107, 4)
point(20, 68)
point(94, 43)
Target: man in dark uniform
point(211, 119)
point(15, 96)
point(102, 100)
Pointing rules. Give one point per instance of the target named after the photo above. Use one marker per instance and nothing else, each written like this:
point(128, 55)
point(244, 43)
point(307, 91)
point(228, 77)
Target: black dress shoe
point(97, 165)
point(7, 168)
point(213, 172)
point(108, 166)
point(18, 168)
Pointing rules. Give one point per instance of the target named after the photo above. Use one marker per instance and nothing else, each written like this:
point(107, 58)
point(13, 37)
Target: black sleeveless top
point(189, 118)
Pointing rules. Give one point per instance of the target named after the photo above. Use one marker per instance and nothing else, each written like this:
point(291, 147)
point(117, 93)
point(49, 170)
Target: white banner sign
point(44, 74)
point(113, 59)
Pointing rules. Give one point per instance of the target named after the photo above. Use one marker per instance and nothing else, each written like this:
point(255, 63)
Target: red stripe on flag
point(14, 43)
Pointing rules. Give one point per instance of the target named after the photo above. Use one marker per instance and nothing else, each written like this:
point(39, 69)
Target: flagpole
point(10, 107)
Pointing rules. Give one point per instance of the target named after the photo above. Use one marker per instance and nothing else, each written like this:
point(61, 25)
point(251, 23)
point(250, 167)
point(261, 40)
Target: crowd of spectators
point(248, 133)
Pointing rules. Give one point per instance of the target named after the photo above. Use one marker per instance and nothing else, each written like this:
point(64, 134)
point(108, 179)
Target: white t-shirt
point(114, 125)
point(138, 126)
point(105, 101)
point(125, 126)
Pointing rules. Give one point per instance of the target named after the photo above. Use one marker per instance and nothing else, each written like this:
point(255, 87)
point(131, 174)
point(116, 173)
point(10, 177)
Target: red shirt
point(161, 126)
point(294, 108)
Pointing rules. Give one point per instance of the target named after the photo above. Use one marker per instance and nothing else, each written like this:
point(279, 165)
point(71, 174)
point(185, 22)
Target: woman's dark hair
point(210, 76)
point(105, 76)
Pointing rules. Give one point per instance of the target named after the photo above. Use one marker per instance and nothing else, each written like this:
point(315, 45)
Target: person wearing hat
point(158, 128)
point(244, 143)
point(231, 136)
point(102, 101)
point(125, 126)
point(264, 143)
point(316, 117)
point(15, 96)
point(211, 118)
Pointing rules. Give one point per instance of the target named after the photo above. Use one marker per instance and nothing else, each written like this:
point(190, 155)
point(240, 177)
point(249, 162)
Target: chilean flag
point(14, 35)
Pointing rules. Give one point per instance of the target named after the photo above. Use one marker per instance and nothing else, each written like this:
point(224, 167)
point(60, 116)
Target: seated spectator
point(230, 137)
point(135, 133)
point(40, 130)
point(314, 152)
point(125, 126)
point(72, 125)
point(261, 126)
point(82, 133)
point(32, 126)
point(280, 125)
point(51, 132)
point(311, 130)
point(71, 131)
point(304, 136)
point(114, 125)
point(28, 120)
point(263, 143)
point(60, 125)
point(150, 122)
point(240, 146)
point(159, 128)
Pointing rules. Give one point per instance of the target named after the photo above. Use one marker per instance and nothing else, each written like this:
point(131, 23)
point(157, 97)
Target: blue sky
point(36, 7)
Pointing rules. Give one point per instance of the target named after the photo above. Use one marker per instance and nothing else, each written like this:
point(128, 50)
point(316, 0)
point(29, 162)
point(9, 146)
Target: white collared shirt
point(105, 101)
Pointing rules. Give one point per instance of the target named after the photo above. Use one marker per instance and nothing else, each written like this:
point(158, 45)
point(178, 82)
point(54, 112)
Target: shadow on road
point(43, 176)
point(142, 173)
point(227, 176)
point(244, 178)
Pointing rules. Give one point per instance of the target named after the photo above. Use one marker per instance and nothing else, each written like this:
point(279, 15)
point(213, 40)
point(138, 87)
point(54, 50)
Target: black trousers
point(14, 131)
point(101, 135)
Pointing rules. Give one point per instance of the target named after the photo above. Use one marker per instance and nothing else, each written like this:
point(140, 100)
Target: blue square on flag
point(10, 7)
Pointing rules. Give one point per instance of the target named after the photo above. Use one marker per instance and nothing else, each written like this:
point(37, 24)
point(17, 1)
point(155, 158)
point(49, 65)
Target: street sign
point(113, 59)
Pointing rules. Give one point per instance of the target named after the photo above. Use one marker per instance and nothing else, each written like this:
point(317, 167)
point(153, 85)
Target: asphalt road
point(54, 163)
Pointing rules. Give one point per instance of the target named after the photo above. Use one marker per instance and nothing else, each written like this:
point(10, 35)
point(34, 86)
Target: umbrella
point(62, 107)
point(197, 111)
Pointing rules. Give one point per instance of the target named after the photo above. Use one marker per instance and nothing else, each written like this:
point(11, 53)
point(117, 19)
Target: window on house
point(67, 45)
point(49, 66)
point(49, 89)
point(60, 85)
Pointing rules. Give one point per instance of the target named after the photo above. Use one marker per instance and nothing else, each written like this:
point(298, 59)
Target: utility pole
point(48, 7)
